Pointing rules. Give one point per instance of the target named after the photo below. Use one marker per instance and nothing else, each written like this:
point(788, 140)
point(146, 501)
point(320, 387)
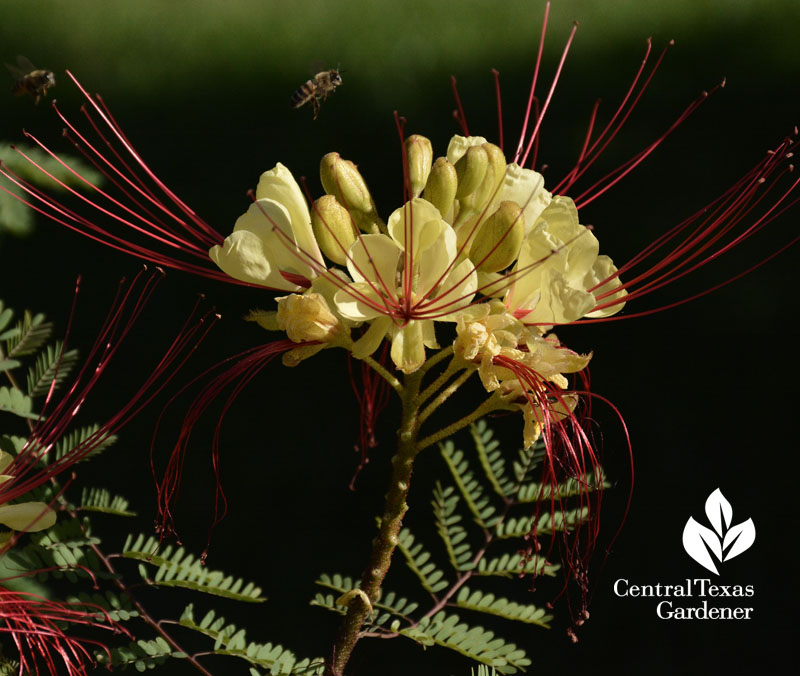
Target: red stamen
point(240, 370)
point(532, 92)
point(540, 116)
point(496, 75)
point(458, 114)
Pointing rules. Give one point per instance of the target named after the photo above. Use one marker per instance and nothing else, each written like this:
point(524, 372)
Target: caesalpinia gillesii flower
point(479, 242)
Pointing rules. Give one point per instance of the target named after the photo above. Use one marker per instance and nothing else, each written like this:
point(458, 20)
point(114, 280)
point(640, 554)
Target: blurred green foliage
point(152, 48)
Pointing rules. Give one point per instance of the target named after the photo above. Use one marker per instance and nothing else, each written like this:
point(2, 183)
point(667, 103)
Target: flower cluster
point(480, 244)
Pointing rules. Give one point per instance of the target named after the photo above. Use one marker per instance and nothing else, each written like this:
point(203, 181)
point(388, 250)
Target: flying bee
point(316, 89)
point(30, 80)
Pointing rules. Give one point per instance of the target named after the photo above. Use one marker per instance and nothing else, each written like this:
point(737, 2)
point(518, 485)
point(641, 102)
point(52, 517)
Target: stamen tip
point(723, 83)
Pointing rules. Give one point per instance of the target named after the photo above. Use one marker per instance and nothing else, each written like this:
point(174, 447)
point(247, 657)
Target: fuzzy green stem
point(493, 403)
point(385, 542)
point(385, 374)
point(452, 368)
point(444, 395)
point(435, 359)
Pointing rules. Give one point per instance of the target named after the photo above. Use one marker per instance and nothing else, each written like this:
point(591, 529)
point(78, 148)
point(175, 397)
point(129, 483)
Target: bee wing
point(25, 65)
point(16, 72)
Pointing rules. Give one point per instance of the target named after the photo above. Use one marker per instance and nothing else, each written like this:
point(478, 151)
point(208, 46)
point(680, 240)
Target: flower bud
point(419, 153)
point(342, 179)
point(307, 318)
point(499, 239)
point(471, 169)
point(333, 228)
point(442, 185)
point(495, 172)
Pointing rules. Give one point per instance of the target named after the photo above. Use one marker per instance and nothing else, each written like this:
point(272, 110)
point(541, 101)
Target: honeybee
point(30, 80)
point(316, 89)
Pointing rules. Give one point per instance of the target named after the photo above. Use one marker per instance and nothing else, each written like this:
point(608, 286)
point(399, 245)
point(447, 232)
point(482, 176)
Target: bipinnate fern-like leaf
point(515, 564)
point(14, 401)
point(491, 458)
point(100, 500)
point(477, 518)
point(502, 607)
point(178, 568)
point(475, 642)
point(229, 640)
point(546, 523)
point(52, 366)
point(389, 606)
point(60, 551)
point(29, 334)
point(117, 608)
point(89, 437)
point(142, 654)
point(448, 524)
point(469, 485)
point(420, 562)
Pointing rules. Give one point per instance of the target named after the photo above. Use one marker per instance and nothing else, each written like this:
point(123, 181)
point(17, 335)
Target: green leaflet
point(178, 568)
point(482, 512)
point(100, 500)
point(228, 640)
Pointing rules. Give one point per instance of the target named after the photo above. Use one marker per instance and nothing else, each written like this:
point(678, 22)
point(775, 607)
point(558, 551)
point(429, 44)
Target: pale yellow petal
point(244, 256)
point(604, 269)
point(459, 144)
point(279, 185)
point(374, 258)
point(408, 349)
point(526, 188)
point(372, 338)
point(418, 222)
point(359, 302)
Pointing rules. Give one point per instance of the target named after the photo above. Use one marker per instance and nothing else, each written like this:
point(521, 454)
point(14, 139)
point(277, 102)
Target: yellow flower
point(405, 280)
point(273, 237)
point(558, 269)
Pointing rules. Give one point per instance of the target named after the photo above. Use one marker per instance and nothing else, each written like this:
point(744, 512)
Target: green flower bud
point(442, 185)
point(471, 169)
point(342, 179)
point(333, 228)
point(499, 239)
point(488, 189)
point(419, 152)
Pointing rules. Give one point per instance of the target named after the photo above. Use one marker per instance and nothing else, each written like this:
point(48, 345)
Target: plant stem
point(493, 403)
point(385, 542)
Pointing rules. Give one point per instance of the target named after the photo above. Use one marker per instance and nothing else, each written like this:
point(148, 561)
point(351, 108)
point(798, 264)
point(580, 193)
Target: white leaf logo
point(725, 541)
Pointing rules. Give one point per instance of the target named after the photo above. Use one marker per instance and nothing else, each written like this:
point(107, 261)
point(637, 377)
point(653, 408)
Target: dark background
point(706, 389)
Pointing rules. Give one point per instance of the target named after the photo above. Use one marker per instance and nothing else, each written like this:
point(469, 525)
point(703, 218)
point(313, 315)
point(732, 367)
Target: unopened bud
point(307, 318)
point(333, 228)
point(442, 185)
point(419, 153)
point(495, 173)
point(342, 179)
point(499, 239)
point(471, 169)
